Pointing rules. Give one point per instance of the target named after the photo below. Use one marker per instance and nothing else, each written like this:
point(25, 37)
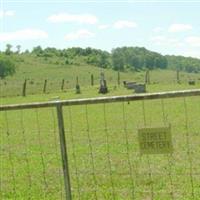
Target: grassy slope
point(37, 69)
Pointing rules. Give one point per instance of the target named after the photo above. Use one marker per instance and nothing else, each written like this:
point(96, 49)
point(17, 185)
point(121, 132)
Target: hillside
point(56, 65)
point(54, 68)
point(37, 69)
point(119, 59)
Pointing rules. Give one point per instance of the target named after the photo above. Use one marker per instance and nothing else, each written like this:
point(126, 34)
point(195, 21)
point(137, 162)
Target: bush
point(67, 62)
point(7, 67)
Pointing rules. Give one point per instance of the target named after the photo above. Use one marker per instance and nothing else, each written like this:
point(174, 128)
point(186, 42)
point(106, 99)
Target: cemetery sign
point(155, 140)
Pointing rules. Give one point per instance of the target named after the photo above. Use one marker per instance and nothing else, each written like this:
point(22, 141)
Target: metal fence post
point(63, 148)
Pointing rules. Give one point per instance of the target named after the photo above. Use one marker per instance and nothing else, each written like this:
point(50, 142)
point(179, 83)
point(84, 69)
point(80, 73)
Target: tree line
point(120, 59)
point(123, 58)
point(182, 63)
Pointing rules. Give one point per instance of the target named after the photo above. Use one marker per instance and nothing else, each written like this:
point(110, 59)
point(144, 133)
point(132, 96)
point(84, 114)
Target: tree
point(149, 61)
point(37, 50)
point(18, 49)
point(8, 49)
point(103, 61)
point(118, 59)
point(136, 58)
point(7, 67)
point(26, 51)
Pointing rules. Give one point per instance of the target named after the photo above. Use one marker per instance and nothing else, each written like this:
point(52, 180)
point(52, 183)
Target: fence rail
point(99, 152)
point(98, 100)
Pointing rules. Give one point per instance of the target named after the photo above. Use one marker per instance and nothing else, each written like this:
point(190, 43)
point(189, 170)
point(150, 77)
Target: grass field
point(104, 157)
point(36, 70)
point(102, 140)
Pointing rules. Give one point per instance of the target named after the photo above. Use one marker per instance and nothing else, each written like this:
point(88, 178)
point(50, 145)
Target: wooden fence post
point(63, 148)
point(147, 77)
point(62, 85)
point(78, 90)
point(118, 78)
point(92, 79)
point(45, 86)
point(24, 88)
point(177, 76)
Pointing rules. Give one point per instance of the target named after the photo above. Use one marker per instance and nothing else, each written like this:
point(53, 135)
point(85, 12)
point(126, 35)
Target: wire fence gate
point(142, 147)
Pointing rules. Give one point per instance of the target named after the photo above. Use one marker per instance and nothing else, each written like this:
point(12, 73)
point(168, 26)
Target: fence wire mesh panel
point(30, 155)
point(104, 154)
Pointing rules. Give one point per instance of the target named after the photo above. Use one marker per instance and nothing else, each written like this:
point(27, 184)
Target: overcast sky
point(168, 28)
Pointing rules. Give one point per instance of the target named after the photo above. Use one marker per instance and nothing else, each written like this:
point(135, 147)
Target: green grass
point(37, 69)
point(30, 163)
point(86, 132)
point(92, 91)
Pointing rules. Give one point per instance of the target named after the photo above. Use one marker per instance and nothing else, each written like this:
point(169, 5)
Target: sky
point(168, 27)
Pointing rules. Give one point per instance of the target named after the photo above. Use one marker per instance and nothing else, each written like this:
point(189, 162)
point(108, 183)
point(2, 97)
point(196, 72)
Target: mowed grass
point(102, 142)
point(103, 150)
point(92, 91)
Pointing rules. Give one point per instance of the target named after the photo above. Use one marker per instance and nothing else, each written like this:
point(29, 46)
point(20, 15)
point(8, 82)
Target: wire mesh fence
point(32, 86)
point(30, 156)
point(26, 88)
point(10, 88)
point(103, 150)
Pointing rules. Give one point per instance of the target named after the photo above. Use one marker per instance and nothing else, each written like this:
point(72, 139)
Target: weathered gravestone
point(130, 85)
point(191, 82)
point(124, 83)
point(103, 85)
point(137, 87)
point(140, 88)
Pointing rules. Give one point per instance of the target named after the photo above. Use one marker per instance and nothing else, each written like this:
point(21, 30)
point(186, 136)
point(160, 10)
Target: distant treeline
point(187, 64)
point(122, 59)
point(133, 58)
